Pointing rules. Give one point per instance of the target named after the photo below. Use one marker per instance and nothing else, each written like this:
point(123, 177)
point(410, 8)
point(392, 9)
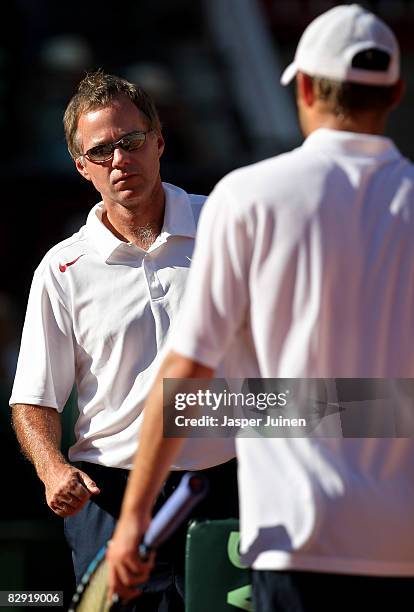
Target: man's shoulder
point(64, 253)
point(252, 174)
point(267, 179)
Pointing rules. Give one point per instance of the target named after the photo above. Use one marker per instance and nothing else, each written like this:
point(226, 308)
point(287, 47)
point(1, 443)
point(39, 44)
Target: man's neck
point(361, 123)
point(139, 225)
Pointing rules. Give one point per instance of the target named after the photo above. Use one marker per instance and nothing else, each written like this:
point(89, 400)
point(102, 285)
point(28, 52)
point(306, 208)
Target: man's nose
point(119, 157)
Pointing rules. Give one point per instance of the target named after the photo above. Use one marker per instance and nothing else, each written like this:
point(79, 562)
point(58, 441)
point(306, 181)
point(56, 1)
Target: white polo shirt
point(98, 315)
point(312, 275)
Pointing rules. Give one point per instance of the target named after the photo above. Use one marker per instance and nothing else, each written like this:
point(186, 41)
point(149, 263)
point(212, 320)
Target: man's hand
point(68, 489)
point(126, 569)
point(39, 431)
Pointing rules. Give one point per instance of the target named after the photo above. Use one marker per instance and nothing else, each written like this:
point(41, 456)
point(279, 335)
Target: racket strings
point(94, 594)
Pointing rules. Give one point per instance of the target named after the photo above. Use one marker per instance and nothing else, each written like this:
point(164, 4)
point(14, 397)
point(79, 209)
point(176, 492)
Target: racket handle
point(193, 488)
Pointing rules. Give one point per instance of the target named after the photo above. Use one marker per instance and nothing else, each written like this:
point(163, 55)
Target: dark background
point(213, 68)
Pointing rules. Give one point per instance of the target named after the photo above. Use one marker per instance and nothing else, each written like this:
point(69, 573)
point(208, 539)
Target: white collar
point(352, 143)
point(178, 221)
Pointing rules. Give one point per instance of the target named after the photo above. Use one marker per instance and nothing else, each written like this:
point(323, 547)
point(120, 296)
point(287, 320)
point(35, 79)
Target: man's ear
point(304, 89)
point(399, 91)
point(160, 143)
point(80, 167)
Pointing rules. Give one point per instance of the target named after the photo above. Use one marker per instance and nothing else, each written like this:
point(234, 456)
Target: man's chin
point(130, 198)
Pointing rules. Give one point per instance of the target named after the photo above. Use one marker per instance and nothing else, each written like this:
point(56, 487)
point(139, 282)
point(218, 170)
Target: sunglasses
point(130, 142)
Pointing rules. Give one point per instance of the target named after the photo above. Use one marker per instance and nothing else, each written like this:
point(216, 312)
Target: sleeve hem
point(41, 402)
point(203, 356)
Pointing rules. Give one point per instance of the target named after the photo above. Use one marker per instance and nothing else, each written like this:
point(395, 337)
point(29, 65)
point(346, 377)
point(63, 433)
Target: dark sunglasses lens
point(100, 153)
point(133, 141)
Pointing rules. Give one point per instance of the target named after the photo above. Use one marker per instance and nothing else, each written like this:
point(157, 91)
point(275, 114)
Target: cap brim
point(289, 74)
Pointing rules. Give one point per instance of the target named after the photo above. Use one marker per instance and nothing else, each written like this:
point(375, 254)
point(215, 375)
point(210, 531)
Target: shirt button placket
point(155, 288)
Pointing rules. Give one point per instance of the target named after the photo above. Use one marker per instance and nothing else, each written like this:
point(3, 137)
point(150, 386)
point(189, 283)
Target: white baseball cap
point(330, 43)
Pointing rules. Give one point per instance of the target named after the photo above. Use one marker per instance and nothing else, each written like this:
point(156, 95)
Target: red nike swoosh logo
point(63, 267)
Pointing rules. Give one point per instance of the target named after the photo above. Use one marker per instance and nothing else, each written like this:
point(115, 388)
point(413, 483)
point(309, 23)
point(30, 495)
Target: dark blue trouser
point(89, 529)
point(294, 591)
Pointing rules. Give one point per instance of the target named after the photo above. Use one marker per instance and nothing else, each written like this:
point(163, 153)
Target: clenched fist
point(68, 489)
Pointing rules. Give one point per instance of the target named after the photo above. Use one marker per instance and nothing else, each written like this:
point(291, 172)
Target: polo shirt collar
point(178, 216)
point(105, 242)
point(353, 144)
point(178, 221)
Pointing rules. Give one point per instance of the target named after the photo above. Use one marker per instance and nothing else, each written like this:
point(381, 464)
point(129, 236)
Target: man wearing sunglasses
point(99, 311)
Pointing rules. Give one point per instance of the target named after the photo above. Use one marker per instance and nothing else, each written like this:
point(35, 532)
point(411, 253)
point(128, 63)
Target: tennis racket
point(91, 593)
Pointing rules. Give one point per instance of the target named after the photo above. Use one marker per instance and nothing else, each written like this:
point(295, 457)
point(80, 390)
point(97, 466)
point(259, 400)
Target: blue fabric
point(89, 529)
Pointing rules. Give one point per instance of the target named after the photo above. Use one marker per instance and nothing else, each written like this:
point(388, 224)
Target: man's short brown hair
point(98, 90)
point(346, 99)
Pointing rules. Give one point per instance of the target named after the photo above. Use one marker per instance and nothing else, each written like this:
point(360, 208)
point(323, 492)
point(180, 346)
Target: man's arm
point(39, 432)
point(151, 465)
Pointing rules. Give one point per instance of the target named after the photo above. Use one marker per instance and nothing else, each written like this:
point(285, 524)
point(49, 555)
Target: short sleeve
point(45, 369)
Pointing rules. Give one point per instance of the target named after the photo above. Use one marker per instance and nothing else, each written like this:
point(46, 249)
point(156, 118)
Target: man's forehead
point(114, 110)
point(111, 121)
